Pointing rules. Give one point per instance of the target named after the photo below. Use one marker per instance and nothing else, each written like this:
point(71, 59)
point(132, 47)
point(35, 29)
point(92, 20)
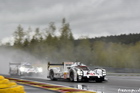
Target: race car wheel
point(10, 73)
point(71, 76)
point(18, 73)
point(51, 74)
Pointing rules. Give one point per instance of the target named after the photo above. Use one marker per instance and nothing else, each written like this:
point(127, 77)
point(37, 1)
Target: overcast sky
point(86, 17)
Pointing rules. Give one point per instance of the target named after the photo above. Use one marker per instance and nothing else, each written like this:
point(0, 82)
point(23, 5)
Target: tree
point(51, 29)
point(50, 38)
point(29, 34)
point(37, 34)
point(19, 36)
point(65, 31)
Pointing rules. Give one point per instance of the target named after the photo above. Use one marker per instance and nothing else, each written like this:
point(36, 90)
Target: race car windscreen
point(83, 67)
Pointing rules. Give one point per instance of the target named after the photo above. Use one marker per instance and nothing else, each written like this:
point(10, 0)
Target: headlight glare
point(40, 69)
point(22, 69)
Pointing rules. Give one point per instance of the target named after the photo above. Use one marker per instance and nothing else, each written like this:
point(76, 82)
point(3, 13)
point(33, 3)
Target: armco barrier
point(123, 74)
point(57, 88)
point(10, 87)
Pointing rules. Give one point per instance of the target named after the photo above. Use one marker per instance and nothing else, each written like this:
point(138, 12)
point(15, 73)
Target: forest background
point(58, 45)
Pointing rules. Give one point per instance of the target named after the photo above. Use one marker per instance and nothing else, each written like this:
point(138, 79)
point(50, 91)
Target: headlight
point(21, 68)
point(79, 72)
point(40, 69)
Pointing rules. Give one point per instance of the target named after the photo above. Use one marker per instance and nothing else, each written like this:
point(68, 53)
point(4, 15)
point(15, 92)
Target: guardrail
point(7, 86)
point(56, 88)
point(123, 74)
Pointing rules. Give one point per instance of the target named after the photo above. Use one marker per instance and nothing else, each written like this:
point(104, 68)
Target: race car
point(24, 68)
point(75, 71)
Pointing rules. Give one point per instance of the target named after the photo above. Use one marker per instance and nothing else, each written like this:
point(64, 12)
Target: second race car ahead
point(24, 69)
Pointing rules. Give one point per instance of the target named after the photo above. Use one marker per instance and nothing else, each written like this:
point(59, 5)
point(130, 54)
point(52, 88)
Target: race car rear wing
point(54, 64)
point(14, 63)
point(60, 63)
point(65, 64)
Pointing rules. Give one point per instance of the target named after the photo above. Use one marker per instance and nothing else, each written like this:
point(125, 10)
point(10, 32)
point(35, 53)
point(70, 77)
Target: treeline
point(123, 38)
point(46, 45)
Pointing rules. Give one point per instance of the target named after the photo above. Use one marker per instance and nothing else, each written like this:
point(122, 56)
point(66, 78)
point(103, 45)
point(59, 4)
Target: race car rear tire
point(11, 74)
point(51, 74)
point(19, 73)
point(71, 76)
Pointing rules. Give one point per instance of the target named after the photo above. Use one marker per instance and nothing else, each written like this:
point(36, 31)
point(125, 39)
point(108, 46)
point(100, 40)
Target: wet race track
point(115, 84)
point(29, 89)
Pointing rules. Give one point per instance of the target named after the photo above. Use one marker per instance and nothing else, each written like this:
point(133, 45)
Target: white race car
point(75, 71)
point(24, 69)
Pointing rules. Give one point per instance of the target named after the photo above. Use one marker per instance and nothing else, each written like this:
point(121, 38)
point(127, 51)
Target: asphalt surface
point(30, 89)
point(115, 84)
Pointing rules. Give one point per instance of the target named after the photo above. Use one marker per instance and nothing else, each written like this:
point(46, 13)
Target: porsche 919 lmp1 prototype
point(21, 69)
point(75, 71)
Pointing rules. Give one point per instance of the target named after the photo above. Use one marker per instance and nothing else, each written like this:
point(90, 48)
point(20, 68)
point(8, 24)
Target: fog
point(13, 55)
